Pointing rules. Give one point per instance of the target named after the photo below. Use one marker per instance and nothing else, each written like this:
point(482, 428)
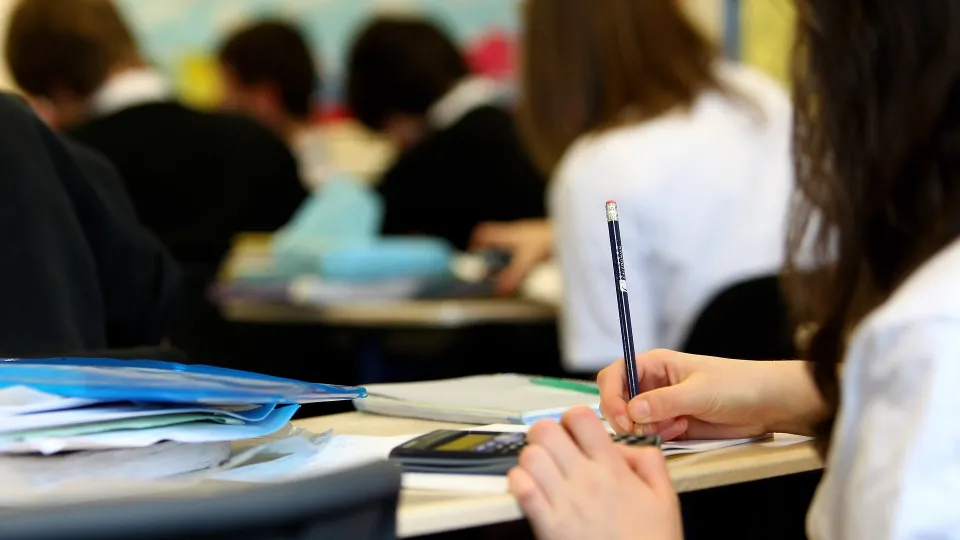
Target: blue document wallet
point(106, 379)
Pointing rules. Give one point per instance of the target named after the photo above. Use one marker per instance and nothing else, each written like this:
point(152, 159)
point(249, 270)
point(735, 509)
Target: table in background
point(429, 512)
point(429, 324)
point(395, 314)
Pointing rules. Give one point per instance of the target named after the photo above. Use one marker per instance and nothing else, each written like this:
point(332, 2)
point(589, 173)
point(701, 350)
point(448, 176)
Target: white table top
point(423, 512)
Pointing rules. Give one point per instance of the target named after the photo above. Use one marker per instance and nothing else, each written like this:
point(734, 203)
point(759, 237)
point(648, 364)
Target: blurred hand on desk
point(529, 243)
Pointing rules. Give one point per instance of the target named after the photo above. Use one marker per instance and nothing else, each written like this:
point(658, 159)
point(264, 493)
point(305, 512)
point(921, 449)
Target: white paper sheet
point(195, 432)
point(104, 413)
point(16, 400)
point(339, 453)
point(144, 475)
point(347, 451)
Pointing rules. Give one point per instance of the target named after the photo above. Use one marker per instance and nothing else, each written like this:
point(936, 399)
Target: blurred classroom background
point(392, 341)
point(181, 36)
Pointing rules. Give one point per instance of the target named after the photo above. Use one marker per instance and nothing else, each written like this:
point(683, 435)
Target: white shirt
point(470, 93)
point(703, 196)
point(313, 159)
point(893, 472)
point(128, 89)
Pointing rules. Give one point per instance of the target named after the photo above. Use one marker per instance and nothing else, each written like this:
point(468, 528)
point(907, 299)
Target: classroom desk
point(423, 512)
point(399, 314)
point(251, 249)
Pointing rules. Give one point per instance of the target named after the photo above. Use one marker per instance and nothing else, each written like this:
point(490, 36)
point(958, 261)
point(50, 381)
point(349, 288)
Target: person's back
point(472, 171)
point(461, 161)
point(703, 196)
point(197, 178)
point(78, 272)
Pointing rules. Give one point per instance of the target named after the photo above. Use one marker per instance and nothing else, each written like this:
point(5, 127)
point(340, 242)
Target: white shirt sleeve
point(589, 322)
point(894, 470)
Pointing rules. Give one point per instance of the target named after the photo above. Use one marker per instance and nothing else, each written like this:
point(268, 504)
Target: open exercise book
point(481, 399)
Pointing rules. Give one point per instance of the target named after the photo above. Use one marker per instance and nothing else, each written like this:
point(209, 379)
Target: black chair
point(749, 320)
point(360, 504)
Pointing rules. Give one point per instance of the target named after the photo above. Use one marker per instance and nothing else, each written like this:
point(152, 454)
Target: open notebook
point(482, 399)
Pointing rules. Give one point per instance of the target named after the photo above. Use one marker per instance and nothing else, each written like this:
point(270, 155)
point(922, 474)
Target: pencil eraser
point(611, 201)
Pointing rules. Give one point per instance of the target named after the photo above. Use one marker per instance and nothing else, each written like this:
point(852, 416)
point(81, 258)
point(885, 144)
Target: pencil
point(623, 302)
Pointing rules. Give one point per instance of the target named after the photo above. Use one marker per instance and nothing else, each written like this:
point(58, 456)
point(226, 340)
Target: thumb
point(667, 403)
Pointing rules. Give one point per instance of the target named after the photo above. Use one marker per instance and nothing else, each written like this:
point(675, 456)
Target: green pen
point(566, 384)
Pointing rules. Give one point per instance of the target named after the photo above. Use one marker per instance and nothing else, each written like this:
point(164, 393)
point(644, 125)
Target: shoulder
point(932, 292)
point(927, 301)
point(758, 87)
point(636, 153)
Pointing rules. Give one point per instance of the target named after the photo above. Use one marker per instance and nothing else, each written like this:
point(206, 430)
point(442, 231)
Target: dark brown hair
point(275, 52)
point(66, 44)
point(400, 65)
point(877, 155)
point(590, 65)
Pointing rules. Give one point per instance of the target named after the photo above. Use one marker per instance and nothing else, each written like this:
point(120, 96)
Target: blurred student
point(461, 161)
point(79, 272)
point(270, 74)
point(626, 100)
point(196, 179)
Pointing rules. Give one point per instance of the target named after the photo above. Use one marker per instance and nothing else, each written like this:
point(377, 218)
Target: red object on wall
point(493, 55)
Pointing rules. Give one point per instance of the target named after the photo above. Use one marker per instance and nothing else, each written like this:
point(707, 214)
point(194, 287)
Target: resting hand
point(529, 242)
point(574, 483)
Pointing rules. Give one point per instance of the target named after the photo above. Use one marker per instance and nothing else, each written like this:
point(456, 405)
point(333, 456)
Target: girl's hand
point(574, 483)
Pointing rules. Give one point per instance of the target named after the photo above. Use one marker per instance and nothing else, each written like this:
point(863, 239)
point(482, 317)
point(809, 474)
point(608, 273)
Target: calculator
point(476, 452)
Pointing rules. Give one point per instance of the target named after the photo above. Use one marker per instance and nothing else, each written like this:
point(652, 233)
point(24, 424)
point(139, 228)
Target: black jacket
point(196, 179)
point(473, 171)
point(79, 272)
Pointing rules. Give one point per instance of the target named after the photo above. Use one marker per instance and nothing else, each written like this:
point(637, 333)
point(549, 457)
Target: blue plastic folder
point(105, 379)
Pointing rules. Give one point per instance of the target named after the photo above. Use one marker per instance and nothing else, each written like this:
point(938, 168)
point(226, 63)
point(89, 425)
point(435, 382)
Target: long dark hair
point(877, 156)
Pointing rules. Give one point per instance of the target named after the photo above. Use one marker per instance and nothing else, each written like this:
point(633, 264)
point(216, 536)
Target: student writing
point(878, 173)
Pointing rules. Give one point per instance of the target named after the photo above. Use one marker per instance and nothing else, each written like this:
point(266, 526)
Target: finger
point(667, 403)
point(510, 278)
point(612, 382)
point(540, 465)
point(668, 430)
point(589, 434)
point(531, 498)
point(555, 440)
point(651, 466)
point(486, 234)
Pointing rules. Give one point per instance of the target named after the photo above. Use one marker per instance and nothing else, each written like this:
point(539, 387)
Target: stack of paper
point(482, 399)
point(67, 419)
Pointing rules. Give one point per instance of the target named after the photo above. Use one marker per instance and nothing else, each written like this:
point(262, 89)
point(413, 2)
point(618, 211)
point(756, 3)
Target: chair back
point(749, 320)
point(360, 504)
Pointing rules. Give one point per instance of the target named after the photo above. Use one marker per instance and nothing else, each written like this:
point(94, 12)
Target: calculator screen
point(467, 442)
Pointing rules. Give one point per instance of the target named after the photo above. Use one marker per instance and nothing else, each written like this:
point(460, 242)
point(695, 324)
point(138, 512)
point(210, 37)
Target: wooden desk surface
point(406, 313)
point(423, 512)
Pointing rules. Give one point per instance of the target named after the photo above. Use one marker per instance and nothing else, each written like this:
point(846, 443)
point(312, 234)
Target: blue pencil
point(623, 302)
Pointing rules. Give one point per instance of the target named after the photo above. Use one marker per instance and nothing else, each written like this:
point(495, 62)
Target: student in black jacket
point(196, 179)
point(461, 162)
point(78, 271)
